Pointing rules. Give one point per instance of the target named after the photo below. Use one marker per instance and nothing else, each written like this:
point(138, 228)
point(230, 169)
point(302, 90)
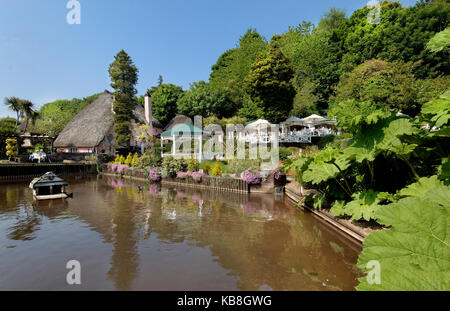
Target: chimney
point(148, 111)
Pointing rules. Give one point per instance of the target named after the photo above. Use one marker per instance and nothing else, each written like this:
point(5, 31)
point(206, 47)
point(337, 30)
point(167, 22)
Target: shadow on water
point(142, 236)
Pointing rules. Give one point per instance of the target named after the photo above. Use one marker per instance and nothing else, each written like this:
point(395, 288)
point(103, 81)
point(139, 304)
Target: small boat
point(49, 187)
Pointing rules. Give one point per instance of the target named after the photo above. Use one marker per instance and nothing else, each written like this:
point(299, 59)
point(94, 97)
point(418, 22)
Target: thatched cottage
point(92, 130)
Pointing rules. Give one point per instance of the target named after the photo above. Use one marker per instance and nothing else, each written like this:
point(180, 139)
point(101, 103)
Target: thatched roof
point(89, 127)
point(178, 119)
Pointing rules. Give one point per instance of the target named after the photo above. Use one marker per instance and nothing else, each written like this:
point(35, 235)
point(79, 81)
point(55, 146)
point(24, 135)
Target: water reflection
point(167, 238)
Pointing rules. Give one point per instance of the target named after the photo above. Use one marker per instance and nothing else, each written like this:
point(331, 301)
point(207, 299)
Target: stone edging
point(342, 227)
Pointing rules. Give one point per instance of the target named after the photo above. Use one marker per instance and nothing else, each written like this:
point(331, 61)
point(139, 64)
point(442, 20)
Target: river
point(128, 235)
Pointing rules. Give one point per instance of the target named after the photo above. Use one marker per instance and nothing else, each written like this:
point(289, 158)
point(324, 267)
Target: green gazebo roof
point(184, 128)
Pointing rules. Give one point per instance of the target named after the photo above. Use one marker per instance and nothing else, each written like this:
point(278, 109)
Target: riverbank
point(356, 230)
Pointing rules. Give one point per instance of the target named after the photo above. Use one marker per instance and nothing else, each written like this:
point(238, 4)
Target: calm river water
point(127, 238)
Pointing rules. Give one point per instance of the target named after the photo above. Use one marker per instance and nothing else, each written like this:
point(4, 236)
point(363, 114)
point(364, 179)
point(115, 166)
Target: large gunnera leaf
point(363, 206)
point(414, 254)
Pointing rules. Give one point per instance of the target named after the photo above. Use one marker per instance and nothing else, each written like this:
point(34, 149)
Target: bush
point(154, 174)
point(193, 165)
point(217, 170)
point(207, 168)
point(252, 178)
point(172, 166)
point(238, 166)
point(151, 158)
point(11, 147)
point(284, 153)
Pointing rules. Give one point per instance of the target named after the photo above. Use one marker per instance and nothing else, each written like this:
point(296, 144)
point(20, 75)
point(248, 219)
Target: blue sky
point(43, 58)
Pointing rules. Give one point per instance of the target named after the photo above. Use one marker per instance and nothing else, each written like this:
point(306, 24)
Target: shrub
point(151, 158)
point(238, 166)
point(193, 165)
point(172, 166)
point(251, 178)
point(183, 175)
point(207, 168)
point(128, 160)
point(284, 153)
point(197, 176)
point(11, 147)
point(154, 174)
point(133, 161)
point(217, 170)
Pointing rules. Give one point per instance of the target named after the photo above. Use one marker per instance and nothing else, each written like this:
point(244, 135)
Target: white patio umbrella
point(314, 118)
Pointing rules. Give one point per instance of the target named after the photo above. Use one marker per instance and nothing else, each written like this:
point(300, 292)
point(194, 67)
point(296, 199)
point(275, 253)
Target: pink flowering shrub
point(251, 178)
point(112, 167)
point(197, 176)
point(183, 175)
point(276, 173)
point(154, 174)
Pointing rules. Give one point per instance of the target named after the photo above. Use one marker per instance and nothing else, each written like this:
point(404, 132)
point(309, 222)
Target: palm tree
point(14, 104)
point(27, 112)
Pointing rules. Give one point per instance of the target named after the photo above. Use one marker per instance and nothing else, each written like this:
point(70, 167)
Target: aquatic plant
point(251, 178)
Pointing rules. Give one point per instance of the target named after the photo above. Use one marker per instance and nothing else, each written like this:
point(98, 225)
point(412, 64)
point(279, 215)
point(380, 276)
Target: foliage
point(390, 84)
point(285, 153)
point(154, 174)
point(151, 158)
point(7, 126)
point(384, 146)
point(11, 147)
point(128, 159)
point(234, 65)
point(164, 102)
point(238, 166)
point(440, 41)
point(305, 100)
point(193, 165)
point(363, 206)
point(124, 76)
point(203, 100)
point(269, 83)
point(217, 170)
point(54, 116)
point(172, 166)
point(359, 41)
point(413, 254)
point(252, 178)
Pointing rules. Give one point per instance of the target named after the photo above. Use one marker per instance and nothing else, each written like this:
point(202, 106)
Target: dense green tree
point(305, 101)
point(390, 84)
point(8, 126)
point(269, 83)
point(54, 116)
point(402, 34)
point(124, 76)
point(164, 102)
point(204, 100)
point(234, 65)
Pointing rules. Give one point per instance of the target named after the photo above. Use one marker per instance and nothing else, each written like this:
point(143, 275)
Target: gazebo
point(181, 133)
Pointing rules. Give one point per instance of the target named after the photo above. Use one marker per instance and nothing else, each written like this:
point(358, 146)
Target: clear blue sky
point(43, 58)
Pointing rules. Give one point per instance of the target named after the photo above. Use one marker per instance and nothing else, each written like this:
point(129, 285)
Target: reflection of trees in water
point(287, 252)
point(16, 201)
point(255, 238)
